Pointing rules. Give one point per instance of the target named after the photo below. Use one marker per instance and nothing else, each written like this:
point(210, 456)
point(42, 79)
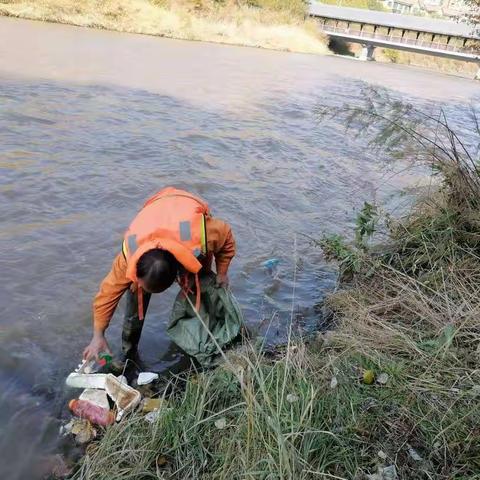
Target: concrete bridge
point(371, 29)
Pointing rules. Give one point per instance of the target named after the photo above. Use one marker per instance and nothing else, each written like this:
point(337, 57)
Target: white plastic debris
point(221, 423)
point(88, 367)
point(125, 397)
point(291, 398)
point(83, 376)
point(333, 382)
point(86, 380)
point(66, 429)
point(381, 454)
point(389, 473)
point(384, 473)
point(145, 378)
point(151, 417)
point(414, 455)
point(95, 396)
point(85, 366)
point(382, 379)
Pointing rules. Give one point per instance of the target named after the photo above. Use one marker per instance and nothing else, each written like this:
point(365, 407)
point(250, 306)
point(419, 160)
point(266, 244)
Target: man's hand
point(97, 345)
point(222, 280)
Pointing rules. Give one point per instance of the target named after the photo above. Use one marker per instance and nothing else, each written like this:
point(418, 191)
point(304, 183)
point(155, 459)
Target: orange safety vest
point(173, 220)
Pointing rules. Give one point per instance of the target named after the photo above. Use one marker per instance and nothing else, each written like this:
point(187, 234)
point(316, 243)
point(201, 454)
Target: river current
point(92, 123)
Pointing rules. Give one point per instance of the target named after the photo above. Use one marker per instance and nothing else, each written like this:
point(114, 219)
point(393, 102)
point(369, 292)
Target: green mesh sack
point(219, 311)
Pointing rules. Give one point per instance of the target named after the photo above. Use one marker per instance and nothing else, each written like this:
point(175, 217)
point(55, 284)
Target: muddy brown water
point(93, 122)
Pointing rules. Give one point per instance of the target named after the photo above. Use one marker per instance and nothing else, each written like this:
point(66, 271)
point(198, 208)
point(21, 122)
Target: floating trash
point(152, 404)
point(86, 380)
point(96, 396)
point(221, 423)
point(383, 378)
point(145, 378)
point(84, 376)
point(381, 454)
point(414, 455)
point(151, 417)
point(93, 413)
point(271, 264)
point(125, 397)
point(83, 430)
point(368, 377)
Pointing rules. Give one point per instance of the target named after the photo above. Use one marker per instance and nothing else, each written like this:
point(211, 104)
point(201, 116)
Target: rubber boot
point(132, 325)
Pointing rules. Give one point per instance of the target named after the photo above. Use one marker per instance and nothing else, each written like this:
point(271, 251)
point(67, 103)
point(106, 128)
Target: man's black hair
point(157, 269)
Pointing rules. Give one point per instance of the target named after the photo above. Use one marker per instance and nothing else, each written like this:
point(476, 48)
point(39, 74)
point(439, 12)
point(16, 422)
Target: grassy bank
point(392, 391)
point(274, 24)
point(445, 65)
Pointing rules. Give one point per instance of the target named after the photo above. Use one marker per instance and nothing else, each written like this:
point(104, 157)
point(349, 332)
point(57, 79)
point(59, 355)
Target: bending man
point(172, 238)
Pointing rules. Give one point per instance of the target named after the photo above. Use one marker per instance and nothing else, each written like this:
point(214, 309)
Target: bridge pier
point(367, 52)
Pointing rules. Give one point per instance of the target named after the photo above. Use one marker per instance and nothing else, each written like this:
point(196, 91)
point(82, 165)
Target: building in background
point(401, 6)
point(452, 9)
point(455, 9)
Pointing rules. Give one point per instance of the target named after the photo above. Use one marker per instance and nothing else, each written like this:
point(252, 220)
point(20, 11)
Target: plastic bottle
point(93, 413)
point(92, 365)
point(104, 358)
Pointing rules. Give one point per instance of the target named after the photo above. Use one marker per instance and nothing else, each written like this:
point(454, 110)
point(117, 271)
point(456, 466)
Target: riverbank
point(427, 62)
point(272, 24)
point(390, 392)
point(444, 65)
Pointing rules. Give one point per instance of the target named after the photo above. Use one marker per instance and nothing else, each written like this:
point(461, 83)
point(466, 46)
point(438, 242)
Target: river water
point(92, 123)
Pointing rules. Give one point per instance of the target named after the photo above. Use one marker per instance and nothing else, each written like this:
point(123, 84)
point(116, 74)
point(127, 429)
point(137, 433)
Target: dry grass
point(427, 340)
point(396, 314)
point(233, 23)
point(284, 418)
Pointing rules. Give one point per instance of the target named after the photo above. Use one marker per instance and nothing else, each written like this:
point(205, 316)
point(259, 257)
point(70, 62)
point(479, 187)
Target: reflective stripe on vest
point(185, 231)
point(131, 247)
point(204, 235)
point(185, 235)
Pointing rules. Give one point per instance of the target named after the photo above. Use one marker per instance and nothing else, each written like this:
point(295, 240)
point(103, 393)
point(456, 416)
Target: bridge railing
point(417, 42)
